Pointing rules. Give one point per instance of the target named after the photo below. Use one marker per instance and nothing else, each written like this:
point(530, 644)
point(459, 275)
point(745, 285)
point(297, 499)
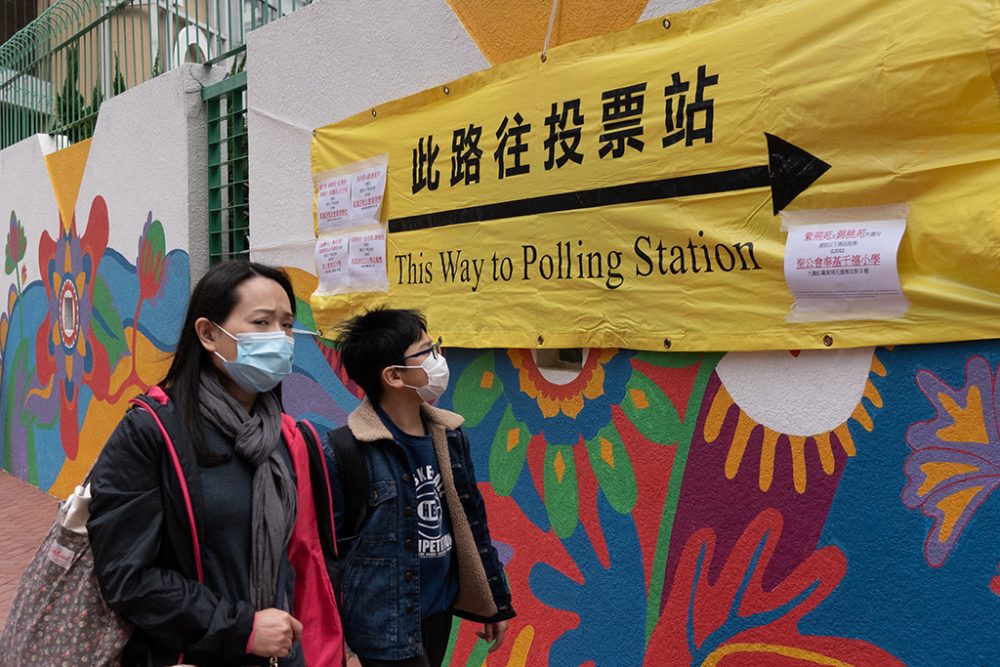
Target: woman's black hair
point(214, 298)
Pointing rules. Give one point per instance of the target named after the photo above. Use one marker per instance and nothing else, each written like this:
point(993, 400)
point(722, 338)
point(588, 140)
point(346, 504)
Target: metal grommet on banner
point(541, 339)
point(828, 340)
point(666, 343)
point(447, 90)
point(374, 113)
point(666, 23)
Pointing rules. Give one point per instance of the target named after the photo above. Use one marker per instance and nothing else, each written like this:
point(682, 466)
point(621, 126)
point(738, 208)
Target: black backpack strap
point(318, 475)
point(352, 470)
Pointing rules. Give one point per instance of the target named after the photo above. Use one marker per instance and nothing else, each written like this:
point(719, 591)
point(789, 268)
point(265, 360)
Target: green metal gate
point(228, 177)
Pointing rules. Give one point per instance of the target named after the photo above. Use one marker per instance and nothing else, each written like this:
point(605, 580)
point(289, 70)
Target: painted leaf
point(477, 389)
point(651, 410)
point(613, 468)
point(107, 324)
point(561, 491)
point(507, 455)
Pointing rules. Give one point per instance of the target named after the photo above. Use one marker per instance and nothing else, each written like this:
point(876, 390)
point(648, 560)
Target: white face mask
point(436, 368)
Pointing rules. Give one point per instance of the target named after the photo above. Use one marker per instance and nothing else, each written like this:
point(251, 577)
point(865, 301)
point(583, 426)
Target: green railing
point(228, 169)
point(57, 70)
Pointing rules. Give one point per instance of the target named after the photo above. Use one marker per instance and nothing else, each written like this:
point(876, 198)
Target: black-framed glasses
point(434, 349)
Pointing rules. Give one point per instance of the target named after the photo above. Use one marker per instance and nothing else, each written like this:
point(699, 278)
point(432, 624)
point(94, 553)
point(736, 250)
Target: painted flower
point(558, 422)
point(151, 259)
point(564, 409)
point(743, 410)
point(955, 464)
point(17, 244)
point(67, 351)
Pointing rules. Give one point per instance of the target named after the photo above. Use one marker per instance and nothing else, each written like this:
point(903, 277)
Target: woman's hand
point(494, 632)
point(274, 631)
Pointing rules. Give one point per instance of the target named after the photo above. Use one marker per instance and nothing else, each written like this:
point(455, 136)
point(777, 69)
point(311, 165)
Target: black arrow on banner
point(789, 171)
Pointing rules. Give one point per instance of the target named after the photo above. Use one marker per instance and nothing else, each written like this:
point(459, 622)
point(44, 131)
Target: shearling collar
point(366, 425)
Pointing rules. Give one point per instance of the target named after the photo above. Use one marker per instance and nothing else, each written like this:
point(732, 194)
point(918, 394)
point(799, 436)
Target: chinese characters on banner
point(626, 191)
point(350, 243)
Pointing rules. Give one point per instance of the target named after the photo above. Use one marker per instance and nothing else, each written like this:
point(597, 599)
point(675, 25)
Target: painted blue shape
point(611, 602)
point(890, 596)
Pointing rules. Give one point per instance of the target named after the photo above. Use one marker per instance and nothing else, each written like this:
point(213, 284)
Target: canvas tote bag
point(58, 616)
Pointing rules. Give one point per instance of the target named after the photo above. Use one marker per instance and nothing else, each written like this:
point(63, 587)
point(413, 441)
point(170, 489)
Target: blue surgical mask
point(263, 359)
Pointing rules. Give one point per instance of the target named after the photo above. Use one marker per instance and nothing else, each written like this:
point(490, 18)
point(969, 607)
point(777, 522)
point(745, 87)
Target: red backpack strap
point(160, 396)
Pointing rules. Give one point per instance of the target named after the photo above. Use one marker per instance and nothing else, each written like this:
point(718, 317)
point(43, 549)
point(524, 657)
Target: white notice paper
point(333, 203)
point(367, 262)
point(331, 263)
point(842, 264)
point(367, 190)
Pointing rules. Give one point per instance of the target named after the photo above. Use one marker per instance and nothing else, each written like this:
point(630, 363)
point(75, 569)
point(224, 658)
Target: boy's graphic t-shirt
point(438, 575)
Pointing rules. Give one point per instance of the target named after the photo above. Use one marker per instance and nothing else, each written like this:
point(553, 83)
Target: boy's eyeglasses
point(434, 349)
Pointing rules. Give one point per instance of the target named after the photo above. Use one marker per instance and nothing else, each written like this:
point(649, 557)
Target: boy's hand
point(494, 632)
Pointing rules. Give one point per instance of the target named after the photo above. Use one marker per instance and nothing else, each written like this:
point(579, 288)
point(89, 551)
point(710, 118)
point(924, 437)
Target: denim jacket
point(378, 569)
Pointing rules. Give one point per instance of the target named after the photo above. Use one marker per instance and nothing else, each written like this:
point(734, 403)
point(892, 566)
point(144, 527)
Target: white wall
point(324, 63)
point(155, 137)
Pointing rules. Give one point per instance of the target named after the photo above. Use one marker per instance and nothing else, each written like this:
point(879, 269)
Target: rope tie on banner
point(548, 33)
point(278, 119)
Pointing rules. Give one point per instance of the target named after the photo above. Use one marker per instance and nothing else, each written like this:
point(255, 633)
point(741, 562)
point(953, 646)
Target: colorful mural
point(817, 508)
point(646, 518)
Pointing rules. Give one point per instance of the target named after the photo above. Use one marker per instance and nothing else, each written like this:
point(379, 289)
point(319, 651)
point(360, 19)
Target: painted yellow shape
point(877, 367)
point(65, 169)
point(519, 652)
point(846, 441)
point(798, 447)
point(825, 449)
point(952, 506)
point(513, 437)
point(560, 466)
point(595, 386)
point(717, 414)
point(937, 472)
point(767, 459)
point(871, 393)
point(862, 417)
point(639, 398)
point(608, 452)
point(715, 657)
point(967, 423)
point(486, 382)
point(738, 447)
point(506, 30)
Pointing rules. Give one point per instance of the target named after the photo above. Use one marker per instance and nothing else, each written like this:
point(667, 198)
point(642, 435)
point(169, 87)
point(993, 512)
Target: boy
point(413, 543)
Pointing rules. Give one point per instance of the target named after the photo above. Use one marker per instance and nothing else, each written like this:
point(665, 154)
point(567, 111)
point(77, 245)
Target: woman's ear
point(206, 332)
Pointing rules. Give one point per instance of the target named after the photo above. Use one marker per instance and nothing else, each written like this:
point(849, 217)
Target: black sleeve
point(484, 544)
point(126, 529)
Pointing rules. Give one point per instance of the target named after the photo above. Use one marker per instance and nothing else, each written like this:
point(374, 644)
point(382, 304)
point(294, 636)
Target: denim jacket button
point(413, 641)
point(408, 543)
point(409, 576)
point(407, 478)
point(408, 511)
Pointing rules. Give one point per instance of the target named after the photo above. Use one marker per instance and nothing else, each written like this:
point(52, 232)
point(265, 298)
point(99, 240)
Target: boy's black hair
point(376, 339)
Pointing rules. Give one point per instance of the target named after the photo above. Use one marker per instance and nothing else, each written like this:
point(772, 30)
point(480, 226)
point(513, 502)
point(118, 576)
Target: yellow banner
point(626, 190)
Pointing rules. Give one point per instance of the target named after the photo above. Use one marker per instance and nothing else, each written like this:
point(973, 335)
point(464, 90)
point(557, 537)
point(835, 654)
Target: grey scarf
point(257, 439)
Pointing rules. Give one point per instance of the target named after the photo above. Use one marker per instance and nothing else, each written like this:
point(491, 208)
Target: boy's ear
point(391, 378)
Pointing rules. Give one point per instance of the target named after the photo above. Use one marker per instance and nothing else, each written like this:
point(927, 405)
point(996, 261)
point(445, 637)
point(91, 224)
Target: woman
point(208, 449)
